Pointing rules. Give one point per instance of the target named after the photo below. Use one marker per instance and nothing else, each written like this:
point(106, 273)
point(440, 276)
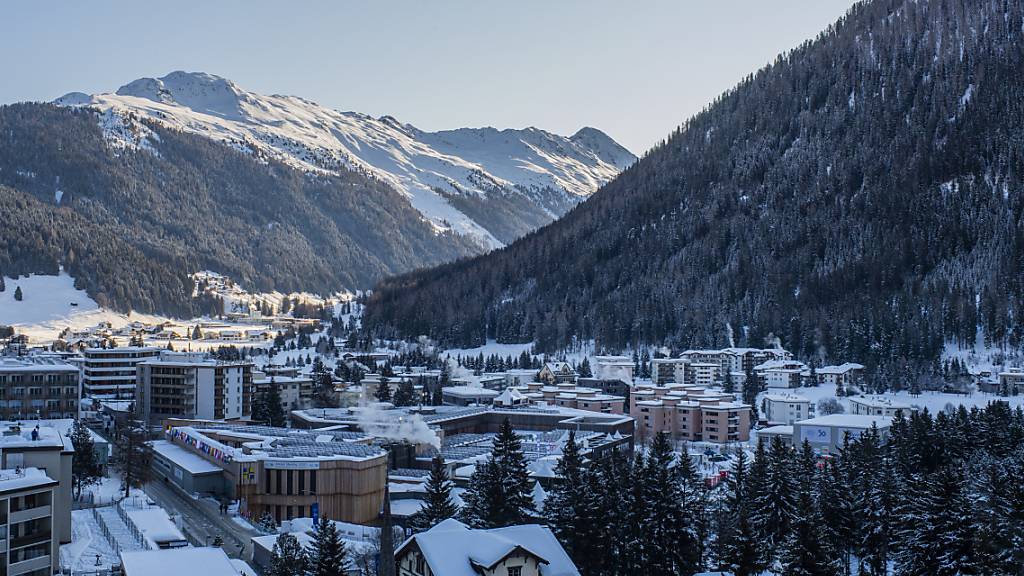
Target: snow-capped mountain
point(492, 184)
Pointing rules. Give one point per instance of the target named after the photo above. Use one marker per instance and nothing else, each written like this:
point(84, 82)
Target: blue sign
point(314, 510)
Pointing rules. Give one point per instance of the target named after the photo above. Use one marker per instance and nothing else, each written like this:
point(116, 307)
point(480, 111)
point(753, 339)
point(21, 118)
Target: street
point(201, 520)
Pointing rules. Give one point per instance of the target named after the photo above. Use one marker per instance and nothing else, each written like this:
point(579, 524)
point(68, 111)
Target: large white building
point(785, 408)
point(109, 373)
point(878, 407)
point(38, 387)
point(28, 541)
point(183, 385)
point(614, 368)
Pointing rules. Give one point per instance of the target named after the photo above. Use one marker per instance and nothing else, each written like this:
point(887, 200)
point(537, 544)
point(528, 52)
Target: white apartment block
point(28, 543)
point(614, 368)
point(785, 408)
point(181, 385)
point(878, 407)
point(109, 373)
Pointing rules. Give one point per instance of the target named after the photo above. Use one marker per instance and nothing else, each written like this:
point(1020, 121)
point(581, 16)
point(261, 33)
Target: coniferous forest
point(939, 496)
point(859, 198)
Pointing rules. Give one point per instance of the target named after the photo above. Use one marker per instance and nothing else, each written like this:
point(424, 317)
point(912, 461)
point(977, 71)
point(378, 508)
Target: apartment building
point(44, 445)
point(733, 360)
point(866, 406)
point(1011, 381)
point(38, 387)
point(28, 542)
point(557, 373)
point(614, 368)
point(785, 409)
point(568, 395)
point(846, 374)
point(110, 373)
point(181, 385)
point(296, 391)
point(668, 370)
point(781, 373)
point(689, 412)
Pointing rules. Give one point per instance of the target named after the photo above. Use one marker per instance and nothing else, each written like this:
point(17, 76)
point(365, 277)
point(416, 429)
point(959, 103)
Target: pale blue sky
point(635, 69)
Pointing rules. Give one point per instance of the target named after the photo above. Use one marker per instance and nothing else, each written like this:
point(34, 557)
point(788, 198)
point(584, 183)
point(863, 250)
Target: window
point(420, 564)
point(515, 571)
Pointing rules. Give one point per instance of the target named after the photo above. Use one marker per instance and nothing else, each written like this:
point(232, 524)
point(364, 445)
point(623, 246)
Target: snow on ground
point(47, 307)
point(87, 542)
point(492, 347)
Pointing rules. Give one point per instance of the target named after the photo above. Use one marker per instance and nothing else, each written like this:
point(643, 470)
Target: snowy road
point(201, 520)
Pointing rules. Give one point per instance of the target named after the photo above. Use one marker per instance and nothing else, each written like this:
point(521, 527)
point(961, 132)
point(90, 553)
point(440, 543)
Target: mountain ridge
point(449, 176)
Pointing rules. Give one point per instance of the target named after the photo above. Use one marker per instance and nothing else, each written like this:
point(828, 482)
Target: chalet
point(453, 549)
point(557, 373)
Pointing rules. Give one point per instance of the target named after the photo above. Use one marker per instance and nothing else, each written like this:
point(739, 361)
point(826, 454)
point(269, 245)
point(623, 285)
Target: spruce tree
point(85, 467)
point(500, 490)
point(383, 393)
point(803, 553)
point(566, 508)
point(439, 504)
point(671, 541)
point(773, 504)
point(405, 394)
point(328, 555)
point(288, 558)
point(18, 294)
point(266, 523)
point(740, 550)
point(134, 457)
point(584, 369)
point(275, 409)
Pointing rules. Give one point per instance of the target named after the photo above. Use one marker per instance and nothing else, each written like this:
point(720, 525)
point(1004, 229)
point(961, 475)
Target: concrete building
point(38, 387)
point(29, 543)
point(179, 561)
point(826, 433)
point(467, 395)
point(735, 360)
point(1011, 382)
point(285, 471)
point(569, 395)
point(785, 408)
point(668, 370)
point(453, 549)
point(689, 412)
point(519, 376)
point(296, 391)
point(846, 374)
point(186, 386)
point(781, 373)
point(110, 373)
point(878, 407)
point(44, 445)
point(614, 368)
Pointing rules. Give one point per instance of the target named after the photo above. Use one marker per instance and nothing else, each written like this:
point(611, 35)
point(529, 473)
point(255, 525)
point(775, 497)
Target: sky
point(635, 69)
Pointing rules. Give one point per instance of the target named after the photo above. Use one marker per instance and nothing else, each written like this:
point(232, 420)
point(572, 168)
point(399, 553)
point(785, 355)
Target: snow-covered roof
point(469, 391)
point(848, 421)
point(840, 369)
point(876, 402)
point(35, 364)
point(187, 460)
point(178, 561)
point(453, 549)
point(785, 398)
point(23, 479)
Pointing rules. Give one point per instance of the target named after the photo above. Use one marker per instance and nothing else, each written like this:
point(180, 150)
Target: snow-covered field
point(47, 307)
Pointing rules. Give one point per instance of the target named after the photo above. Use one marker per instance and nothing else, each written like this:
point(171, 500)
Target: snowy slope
point(552, 172)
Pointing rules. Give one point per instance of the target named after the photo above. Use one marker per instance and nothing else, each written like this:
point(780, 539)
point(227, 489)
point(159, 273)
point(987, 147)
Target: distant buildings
point(453, 549)
point(570, 395)
point(557, 373)
point(614, 368)
point(37, 387)
point(826, 433)
point(781, 373)
point(1011, 382)
point(45, 446)
point(109, 373)
point(844, 374)
point(878, 407)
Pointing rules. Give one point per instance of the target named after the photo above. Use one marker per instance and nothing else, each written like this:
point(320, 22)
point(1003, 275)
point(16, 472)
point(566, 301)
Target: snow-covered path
point(87, 542)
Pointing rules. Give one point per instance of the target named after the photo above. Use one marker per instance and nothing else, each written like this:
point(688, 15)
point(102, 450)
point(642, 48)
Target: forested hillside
point(130, 223)
point(859, 198)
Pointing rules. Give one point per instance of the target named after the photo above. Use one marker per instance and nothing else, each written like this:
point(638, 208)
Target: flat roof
point(24, 479)
point(35, 364)
point(178, 561)
point(189, 461)
point(848, 421)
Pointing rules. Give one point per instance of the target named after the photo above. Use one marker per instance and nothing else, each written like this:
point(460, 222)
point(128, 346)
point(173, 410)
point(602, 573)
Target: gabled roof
point(453, 549)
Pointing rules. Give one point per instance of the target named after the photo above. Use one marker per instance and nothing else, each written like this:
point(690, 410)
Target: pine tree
point(740, 550)
point(500, 491)
point(439, 504)
point(383, 393)
point(18, 294)
point(258, 411)
point(133, 459)
point(566, 508)
point(405, 394)
point(774, 502)
point(275, 409)
point(85, 468)
point(288, 558)
point(802, 553)
point(266, 523)
point(671, 541)
point(584, 369)
point(328, 555)
point(728, 386)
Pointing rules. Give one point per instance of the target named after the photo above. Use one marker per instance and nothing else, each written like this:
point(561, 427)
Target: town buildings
point(827, 433)
point(614, 368)
point(110, 373)
point(46, 446)
point(1011, 381)
point(570, 395)
point(38, 387)
point(845, 375)
point(557, 373)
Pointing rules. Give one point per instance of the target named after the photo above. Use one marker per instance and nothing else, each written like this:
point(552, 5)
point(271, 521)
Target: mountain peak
point(199, 91)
